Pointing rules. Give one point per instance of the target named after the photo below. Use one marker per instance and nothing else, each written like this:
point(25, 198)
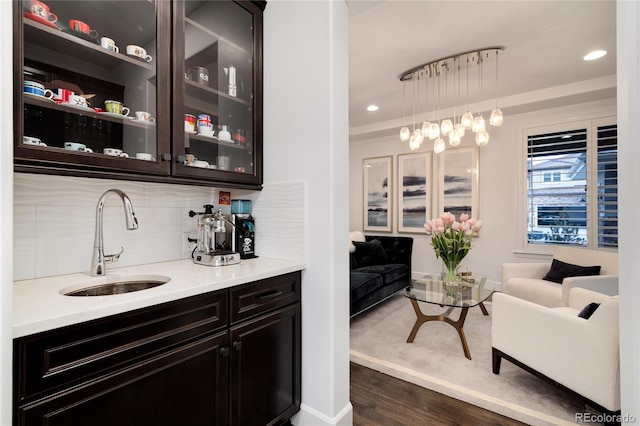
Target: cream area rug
point(435, 360)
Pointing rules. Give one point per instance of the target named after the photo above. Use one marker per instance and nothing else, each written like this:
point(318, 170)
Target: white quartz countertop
point(38, 304)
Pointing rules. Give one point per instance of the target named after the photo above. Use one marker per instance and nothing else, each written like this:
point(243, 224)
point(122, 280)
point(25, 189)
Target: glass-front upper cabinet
point(217, 90)
point(93, 79)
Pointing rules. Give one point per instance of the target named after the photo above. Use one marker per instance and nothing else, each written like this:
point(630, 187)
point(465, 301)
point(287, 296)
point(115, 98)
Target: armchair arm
point(524, 270)
point(580, 354)
point(605, 284)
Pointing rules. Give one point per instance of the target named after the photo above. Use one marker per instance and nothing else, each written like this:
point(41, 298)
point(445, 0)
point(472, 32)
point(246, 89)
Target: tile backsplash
point(54, 221)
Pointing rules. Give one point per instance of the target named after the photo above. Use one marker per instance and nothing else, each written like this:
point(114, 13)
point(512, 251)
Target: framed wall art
point(458, 182)
point(378, 184)
point(414, 191)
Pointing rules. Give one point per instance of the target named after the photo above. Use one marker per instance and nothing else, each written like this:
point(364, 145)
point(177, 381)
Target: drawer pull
point(271, 295)
point(237, 345)
point(224, 352)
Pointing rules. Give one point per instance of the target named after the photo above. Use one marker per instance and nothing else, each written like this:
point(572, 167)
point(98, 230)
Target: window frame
point(592, 125)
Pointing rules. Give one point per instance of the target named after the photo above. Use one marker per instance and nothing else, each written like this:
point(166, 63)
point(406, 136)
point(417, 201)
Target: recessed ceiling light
point(594, 55)
point(372, 108)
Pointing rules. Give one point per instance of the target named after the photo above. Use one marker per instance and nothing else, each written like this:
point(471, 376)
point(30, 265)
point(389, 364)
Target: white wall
point(628, 48)
point(305, 130)
point(6, 211)
point(499, 171)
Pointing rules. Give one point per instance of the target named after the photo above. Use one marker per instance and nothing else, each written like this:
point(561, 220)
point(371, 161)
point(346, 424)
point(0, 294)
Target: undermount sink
point(115, 284)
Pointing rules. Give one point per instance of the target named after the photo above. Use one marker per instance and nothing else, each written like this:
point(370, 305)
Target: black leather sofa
point(379, 268)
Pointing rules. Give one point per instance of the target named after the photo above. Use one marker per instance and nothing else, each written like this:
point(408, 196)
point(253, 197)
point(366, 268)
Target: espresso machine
point(213, 247)
point(244, 231)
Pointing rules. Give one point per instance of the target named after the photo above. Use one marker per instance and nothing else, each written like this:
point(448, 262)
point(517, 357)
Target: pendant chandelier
point(453, 127)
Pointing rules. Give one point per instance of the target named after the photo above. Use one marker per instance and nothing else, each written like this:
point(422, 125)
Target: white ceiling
point(541, 65)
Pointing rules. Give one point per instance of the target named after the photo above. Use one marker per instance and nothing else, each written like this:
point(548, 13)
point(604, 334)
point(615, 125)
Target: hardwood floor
point(379, 399)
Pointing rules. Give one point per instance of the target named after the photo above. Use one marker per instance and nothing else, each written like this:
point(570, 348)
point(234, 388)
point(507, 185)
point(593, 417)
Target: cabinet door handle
point(224, 352)
point(237, 345)
point(271, 295)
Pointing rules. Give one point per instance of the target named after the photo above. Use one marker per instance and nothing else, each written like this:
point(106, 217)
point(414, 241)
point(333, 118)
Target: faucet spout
point(99, 261)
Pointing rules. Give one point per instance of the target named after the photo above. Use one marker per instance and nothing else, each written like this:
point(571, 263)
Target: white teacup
point(138, 52)
point(144, 156)
point(205, 130)
point(109, 44)
point(145, 116)
point(77, 100)
point(115, 152)
point(75, 146)
point(28, 140)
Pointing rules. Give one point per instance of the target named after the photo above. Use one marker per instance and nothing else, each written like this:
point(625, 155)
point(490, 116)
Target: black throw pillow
point(370, 253)
point(561, 270)
point(588, 310)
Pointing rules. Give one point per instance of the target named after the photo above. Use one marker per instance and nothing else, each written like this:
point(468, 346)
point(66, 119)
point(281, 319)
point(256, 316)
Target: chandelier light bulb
point(438, 145)
point(413, 143)
point(482, 137)
point(496, 118)
point(478, 124)
point(417, 134)
point(425, 129)
point(434, 131)
point(446, 126)
point(459, 129)
point(405, 134)
point(467, 120)
point(454, 138)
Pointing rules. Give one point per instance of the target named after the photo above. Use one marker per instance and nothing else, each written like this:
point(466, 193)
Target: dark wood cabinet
point(224, 38)
point(182, 362)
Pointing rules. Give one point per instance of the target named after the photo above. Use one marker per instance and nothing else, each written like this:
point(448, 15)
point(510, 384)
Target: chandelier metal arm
point(408, 75)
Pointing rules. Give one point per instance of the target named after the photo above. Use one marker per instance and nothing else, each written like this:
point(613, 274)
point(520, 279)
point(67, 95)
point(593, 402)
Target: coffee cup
point(35, 88)
point(29, 140)
point(75, 146)
point(144, 116)
point(199, 74)
point(144, 156)
point(138, 52)
point(109, 44)
point(189, 123)
point(83, 28)
point(116, 107)
point(61, 96)
point(205, 126)
point(42, 10)
point(77, 100)
point(115, 152)
point(224, 162)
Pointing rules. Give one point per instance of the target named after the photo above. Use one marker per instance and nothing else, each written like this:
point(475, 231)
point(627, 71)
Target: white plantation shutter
point(572, 187)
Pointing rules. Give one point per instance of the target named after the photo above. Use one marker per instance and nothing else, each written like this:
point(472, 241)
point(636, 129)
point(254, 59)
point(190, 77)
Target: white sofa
point(524, 280)
point(581, 355)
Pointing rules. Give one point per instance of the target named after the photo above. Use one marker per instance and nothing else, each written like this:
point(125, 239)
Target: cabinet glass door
point(91, 78)
point(214, 82)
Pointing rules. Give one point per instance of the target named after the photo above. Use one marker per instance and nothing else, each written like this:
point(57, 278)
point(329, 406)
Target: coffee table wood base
point(422, 318)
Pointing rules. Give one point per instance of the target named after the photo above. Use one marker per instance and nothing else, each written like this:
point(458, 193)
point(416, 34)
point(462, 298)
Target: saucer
point(85, 37)
point(191, 133)
point(40, 20)
point(38, 97)
point(113, 114)
point(226, 140)
point(80, 107)
point(207, 136)
point(139, 58)
point(148, 123)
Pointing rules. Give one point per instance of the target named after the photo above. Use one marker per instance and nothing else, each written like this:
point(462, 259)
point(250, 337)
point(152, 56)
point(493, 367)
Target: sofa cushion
point(389, 273)
point(363, 283)
point(588, 310)
point(561, 270)
point(355, 236)
point(369, 253)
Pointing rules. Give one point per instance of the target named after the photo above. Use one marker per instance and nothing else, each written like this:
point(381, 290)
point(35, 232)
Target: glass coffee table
point(471, 291)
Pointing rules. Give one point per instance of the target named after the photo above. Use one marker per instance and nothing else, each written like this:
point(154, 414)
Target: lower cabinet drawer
point(263, 296)
point(63, 357)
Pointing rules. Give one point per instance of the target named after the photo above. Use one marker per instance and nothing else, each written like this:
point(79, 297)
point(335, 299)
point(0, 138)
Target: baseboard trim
point(308, 416)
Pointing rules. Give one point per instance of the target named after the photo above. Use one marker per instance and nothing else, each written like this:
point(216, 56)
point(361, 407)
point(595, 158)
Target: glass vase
point(451, 281)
